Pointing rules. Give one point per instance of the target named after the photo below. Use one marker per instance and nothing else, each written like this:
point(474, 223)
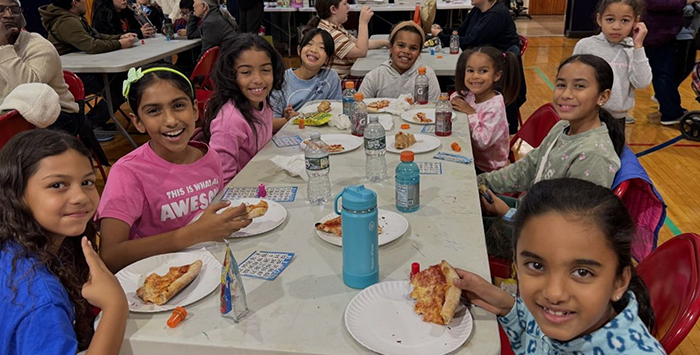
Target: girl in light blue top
point(311, 81)
point(578, 290)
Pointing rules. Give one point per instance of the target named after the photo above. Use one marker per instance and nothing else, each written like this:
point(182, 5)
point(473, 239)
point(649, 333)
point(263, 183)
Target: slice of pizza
point(335, 226)
point(324, 106)
point(404, 140)
point(160, 289)
point(436, 295)
point(378, 105)
point(256, 210)
point(420, 117)
point(335, 148)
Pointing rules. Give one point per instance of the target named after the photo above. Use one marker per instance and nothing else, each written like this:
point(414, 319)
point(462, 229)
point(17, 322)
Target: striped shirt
point(344, 43)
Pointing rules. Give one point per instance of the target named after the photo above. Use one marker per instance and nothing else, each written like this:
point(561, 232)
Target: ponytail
point(509, 84)
point(505, 62)
point(644, 311)
point(616, 130)
point(313, 23)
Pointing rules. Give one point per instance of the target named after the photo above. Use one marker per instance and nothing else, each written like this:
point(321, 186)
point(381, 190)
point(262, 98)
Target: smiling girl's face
point(313, 54)
point(405, 50)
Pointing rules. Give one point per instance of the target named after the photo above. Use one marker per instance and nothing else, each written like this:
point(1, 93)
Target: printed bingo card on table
point(266, 265)
point(429, 167)
point(289, 141)
point(277, 194)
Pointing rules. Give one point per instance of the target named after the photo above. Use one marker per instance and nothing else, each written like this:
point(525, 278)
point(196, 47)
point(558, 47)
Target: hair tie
point(135, 75)
point(504, 55)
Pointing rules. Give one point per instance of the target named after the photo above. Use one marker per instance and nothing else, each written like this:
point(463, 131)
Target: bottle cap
point(407, 156)
point(443, 96)
point(373, 118)
point(359, 96)
point(405, 126)
point(421, 70)
point(359, 198)
point(415, 268)
point(315, 135)
point(349, 84)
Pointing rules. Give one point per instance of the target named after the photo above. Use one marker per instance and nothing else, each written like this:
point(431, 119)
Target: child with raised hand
point(331, 15)
point(398, 75)
point(239, 119)
point(578, 290)
point(51, 273)
point(486, 81)
point(312, 80)
point(154, 192)
point(621, 44)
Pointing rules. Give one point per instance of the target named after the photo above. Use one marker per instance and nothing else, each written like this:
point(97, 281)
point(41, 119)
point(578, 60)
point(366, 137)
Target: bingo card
point(266, 265)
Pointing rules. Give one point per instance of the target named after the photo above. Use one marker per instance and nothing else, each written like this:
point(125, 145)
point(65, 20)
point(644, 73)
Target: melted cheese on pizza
point(335, 226)
point(429, 287)
point(156, 284)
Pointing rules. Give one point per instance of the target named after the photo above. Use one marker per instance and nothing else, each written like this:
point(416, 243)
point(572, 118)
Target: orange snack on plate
point(179, 314)
point(456, 147)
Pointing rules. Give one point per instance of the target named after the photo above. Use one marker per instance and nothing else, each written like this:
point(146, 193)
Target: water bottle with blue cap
point(359, 218)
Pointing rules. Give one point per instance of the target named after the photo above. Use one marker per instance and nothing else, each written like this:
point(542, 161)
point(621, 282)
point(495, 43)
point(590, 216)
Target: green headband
point(135, 75)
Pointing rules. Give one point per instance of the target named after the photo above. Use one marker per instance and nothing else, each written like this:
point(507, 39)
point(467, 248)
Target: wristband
point(508, 217)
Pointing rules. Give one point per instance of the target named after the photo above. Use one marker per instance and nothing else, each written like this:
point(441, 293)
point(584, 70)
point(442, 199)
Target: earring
point(617, 298)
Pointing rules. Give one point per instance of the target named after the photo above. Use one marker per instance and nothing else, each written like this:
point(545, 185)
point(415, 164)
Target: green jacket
point(69, 32)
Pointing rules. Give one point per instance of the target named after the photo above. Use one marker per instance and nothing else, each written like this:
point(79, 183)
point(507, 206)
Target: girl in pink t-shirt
point(480, 73)
point(239, 119)
point(154, 192)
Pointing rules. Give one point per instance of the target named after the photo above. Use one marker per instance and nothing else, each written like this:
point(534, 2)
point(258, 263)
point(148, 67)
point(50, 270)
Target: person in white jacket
point(621, 44)
point(398, 75)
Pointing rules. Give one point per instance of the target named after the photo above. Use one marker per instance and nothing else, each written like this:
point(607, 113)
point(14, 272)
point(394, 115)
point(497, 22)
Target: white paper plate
point(275, 216)
point(429, 113)
point(393, 226)
point(133, 276)
point(382, 319)
point(424, 143)
point(348, 141)
point(369, 101)
point(312, 107)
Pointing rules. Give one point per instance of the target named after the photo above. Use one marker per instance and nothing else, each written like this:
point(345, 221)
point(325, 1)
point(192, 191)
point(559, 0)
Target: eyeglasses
point(14, 10)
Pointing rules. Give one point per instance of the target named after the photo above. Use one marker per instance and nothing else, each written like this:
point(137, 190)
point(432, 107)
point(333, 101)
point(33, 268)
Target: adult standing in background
point(251, 15)
point(490, 23)
point(663, 19)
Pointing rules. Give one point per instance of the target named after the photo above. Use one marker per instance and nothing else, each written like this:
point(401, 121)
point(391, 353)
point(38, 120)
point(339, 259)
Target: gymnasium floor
point(675, 170)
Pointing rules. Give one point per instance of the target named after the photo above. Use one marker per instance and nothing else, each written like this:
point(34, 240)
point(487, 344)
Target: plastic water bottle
point(407, 183)
point(317, 168)
point(438, 45)
point(454, 43)
point(375, 150)
point(359, 115)
point(422, 88)
point(443, 116)
point(348, 97)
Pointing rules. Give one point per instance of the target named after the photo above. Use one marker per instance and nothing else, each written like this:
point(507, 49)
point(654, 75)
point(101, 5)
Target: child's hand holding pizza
point(102, 289)
point(215, 226)
point(484, 294)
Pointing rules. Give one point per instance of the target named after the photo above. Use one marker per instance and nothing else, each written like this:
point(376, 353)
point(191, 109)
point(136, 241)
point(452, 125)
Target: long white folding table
point(302, 311)
point(444, 66)
point(153, 49)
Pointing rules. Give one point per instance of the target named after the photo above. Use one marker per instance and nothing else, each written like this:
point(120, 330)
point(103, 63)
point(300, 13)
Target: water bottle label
point(375, 143)
point(407, 196)
point(317, 163)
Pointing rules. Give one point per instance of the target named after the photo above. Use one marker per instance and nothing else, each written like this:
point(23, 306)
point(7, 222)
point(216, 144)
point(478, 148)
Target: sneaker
point(104, 137)
point(629, 119)
point(670, 122)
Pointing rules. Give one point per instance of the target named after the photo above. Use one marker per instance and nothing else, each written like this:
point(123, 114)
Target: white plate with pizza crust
point(133, 276)
point(428, 112)
point(273, 218)
point(382, 319)
point(348, 141)
point(423, 144)
point(393, 227)
point(384, 109)
point(312, 107)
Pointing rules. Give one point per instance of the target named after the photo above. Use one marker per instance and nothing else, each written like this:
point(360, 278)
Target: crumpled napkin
point(294, 165)
point(399, 106)
point(341, 122)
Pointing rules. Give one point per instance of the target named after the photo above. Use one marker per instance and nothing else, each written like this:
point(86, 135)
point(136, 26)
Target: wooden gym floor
point(675, 170)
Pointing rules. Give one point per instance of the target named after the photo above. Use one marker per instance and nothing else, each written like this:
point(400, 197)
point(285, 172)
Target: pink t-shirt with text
point(154, 196)
point(233, 139)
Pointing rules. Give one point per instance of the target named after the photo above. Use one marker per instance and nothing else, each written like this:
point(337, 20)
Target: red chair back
point(536, 128)
point(523, 44)
point(12, 123)
point(75, 85)
point(204, 68)
point(672, 274)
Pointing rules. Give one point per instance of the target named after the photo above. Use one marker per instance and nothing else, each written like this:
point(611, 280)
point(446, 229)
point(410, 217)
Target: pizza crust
point(148, 293)
point(452, 292)
point(256, 210)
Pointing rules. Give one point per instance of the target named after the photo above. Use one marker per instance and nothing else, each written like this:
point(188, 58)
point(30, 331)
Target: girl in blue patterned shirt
point(579, 292)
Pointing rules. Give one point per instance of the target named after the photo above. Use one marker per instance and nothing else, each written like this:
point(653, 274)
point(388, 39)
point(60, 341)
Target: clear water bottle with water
point(317, 168)
point(422, 88)
point(348, 97)
point(454, 43)
point(375, 150)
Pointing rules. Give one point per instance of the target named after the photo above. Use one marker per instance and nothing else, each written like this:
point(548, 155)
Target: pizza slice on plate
point(256, 210)
point(334, 226)
point(404, 140)
point(436, 295)
point(335, 148)
point(160, 289)
point(420, 117)
point(378, 105)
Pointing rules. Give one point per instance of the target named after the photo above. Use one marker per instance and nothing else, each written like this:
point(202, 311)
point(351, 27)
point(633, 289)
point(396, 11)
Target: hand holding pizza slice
point(436, 295)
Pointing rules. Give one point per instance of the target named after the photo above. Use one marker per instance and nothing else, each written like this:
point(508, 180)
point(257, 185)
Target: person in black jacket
point(217, 27)
point(154, 13)
point(490, 23)
point(114, 17)
point(251, 12)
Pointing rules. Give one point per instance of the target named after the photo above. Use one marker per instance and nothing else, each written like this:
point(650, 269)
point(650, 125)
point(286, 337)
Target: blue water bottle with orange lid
point(360, 236)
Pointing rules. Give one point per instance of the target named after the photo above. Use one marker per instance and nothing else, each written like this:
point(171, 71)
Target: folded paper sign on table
point(294, 165)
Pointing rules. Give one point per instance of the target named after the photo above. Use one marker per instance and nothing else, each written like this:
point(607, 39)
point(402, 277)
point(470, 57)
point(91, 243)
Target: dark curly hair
point(227, 89)
point(19, 160)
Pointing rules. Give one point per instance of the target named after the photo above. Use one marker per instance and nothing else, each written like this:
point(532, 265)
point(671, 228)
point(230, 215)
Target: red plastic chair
point(201, 77)
point(76, 88)
point(536, 128)
point(12, 123)
point(523, 44)
point(672, 274)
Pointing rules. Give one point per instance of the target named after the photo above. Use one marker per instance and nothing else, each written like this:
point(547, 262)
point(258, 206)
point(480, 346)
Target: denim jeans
point(662, 61)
